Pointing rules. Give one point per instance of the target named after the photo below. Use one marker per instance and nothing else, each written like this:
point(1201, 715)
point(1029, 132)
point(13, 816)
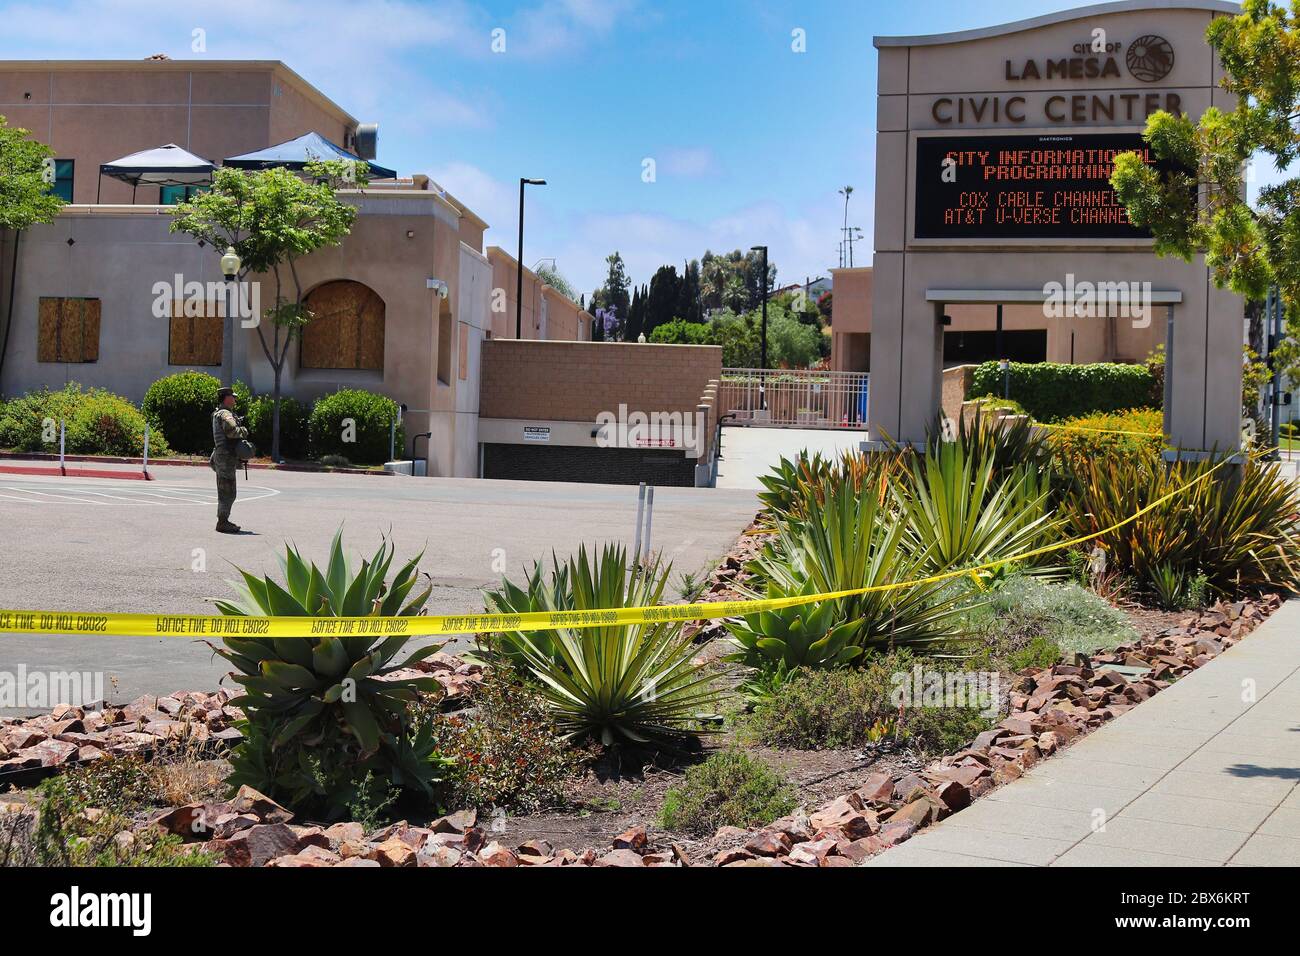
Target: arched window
point(346, 329)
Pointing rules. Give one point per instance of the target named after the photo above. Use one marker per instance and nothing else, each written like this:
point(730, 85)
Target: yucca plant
point(959, 514)
point(322, 726)
point(1241, 530)
point(1008, 445)
point(858, 541)
point(796, 489)
point(617, 683)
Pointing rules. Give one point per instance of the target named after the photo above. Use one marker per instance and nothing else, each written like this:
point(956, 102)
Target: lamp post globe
point(230, 265)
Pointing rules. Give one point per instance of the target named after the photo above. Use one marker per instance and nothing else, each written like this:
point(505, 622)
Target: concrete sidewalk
point(751, 451)
point(1203, 774)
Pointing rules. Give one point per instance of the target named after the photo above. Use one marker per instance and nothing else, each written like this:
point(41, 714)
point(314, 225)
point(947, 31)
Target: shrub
point(1025, 619)
point(853, 708)
point(67, 835)
point(1051, 391)
point(730, 788)
point(506, 750)
point(355, 424)
point(97, 423)
point(181, 407)
point(991, 404)
point(1080, 440)
point(617, 683)
point(323, 730)
point(293, 425)
point(831, 709)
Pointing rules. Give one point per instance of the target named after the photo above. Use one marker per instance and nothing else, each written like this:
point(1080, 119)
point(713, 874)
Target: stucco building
point(404, 304)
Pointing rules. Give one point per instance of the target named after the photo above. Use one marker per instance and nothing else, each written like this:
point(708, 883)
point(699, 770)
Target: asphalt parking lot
point(116, 545)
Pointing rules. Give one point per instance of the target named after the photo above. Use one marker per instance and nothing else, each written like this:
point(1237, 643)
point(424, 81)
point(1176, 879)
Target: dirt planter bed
point(887, 796)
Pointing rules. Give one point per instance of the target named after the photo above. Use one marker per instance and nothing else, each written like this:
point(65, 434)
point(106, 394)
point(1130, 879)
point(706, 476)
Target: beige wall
point(547, 313)
point(576, 381)
point(915, 75)
point(94, 112)
point(119, 253)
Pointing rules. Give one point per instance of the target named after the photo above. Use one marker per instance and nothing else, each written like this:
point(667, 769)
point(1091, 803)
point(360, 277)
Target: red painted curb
point(77, 473)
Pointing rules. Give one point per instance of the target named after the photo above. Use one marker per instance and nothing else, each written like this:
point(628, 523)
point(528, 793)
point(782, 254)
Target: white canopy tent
point(168, 165)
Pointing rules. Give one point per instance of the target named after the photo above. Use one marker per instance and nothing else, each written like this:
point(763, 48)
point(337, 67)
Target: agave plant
point(322, 722)
point(618, 683)
point(857, 542)
point(959, 514)
point(806, 635)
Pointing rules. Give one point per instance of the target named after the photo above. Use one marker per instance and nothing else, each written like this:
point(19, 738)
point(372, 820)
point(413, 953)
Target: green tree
point(26, 174)
point(553, 277)
point(634, 326)
point(688, 298)
point(661, 298)
point(273, 218)
point(1246, 249)
point(615, 291)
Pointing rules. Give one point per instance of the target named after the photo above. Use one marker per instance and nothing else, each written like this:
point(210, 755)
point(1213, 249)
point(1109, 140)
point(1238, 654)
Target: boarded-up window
point(196, 339)
point(445, 341)
point(464, 351)
point(346, 329)
point(67, 330)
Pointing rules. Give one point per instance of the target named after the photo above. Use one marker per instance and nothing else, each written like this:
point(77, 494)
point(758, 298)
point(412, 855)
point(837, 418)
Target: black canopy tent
point(168, 165)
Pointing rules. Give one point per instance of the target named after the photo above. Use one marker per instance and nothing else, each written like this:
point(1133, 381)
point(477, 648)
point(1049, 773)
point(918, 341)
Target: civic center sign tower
point(994, 150)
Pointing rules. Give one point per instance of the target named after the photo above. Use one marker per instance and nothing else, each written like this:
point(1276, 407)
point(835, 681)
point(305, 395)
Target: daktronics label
point(1023, 187)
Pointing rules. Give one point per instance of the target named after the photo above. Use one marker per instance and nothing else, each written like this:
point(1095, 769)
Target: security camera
point(440, 287)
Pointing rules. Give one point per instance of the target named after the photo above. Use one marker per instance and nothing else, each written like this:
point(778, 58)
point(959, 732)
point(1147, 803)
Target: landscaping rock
point(620, 858)
point(633, 839)
point(257, 845)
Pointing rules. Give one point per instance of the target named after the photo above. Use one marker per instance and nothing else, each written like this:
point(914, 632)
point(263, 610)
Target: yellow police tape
point(1100, 431)
point(199, 625)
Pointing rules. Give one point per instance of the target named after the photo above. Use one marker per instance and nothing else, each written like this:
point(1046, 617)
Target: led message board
point(1050, 187)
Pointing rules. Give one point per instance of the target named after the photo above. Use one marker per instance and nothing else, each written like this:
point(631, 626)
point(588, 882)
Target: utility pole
point(845, 247)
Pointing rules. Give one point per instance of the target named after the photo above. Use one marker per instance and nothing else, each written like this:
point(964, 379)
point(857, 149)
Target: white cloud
point(564, 26)
point(800, 244)
point(688, 162)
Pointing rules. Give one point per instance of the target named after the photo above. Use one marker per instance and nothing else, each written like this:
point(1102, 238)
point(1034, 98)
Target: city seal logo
point(1150, 58)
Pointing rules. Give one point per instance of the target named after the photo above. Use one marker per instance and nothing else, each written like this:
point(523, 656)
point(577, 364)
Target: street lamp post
point(230, 264)
point(762, 355)
point(519, 262)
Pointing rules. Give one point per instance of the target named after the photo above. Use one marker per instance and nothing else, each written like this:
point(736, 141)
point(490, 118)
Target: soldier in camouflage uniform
point(226, 433)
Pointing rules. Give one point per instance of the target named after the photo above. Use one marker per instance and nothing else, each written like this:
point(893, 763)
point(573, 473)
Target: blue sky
point(750, 139)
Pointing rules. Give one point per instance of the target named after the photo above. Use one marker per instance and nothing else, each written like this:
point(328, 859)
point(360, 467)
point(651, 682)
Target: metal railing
point(793, 398)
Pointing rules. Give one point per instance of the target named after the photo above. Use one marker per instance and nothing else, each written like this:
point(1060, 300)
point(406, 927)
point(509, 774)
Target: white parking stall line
point(57, 497)
point(154, 495)
point(30, 501)
point(105, 494)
